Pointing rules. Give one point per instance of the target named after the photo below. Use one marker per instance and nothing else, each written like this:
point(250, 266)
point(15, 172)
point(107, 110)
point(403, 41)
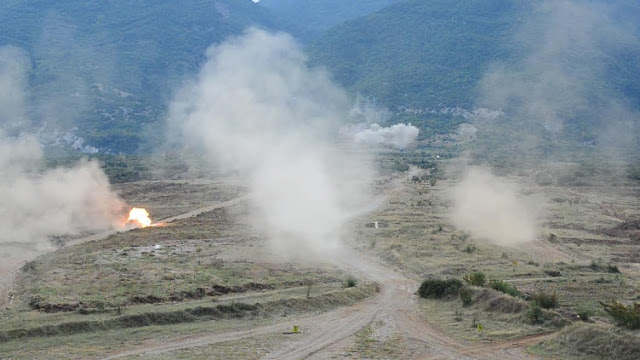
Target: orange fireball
point(139, 216)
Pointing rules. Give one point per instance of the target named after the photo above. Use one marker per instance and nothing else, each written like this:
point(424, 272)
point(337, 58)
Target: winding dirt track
point(395, 307)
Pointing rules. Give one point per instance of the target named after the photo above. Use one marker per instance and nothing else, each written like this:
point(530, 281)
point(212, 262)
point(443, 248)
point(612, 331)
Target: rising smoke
point(398, 136)
point(257, 109)
point(557, 104)
point(37, 203)
point(493, 209)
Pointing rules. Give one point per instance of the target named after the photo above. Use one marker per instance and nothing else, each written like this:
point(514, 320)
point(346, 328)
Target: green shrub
point(505, 288)
point(584, 314)
point(437, 289)
point(466, 295)
point(350, 282)
point(585, 311)
point(476, 278)
point(544, 300)
point(626, 316)
point(613, 269)
point(469, 249)
point(535, 315)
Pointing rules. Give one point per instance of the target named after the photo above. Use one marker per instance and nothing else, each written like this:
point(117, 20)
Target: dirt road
point(330, 333)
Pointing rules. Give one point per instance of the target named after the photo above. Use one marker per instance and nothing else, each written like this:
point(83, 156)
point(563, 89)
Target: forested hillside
point(419, 54)
point(109, 67)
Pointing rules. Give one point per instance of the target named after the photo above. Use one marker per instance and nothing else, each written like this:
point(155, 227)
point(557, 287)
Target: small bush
point(350, 282)
point(553, 273)
point(476, 278)
point(546, 301)
point(584, 314)
point(505, 288)
point(495, 301)
point(470, 249)
point(626, 316)
point(466, 295)
point(613, 269)
point(437, 289)
point(29, 266)
point(535, 315)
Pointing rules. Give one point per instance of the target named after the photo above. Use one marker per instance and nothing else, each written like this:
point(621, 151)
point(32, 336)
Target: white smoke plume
point(492, 209)
point(256, 108)
point(37, 203)
point(398, 136)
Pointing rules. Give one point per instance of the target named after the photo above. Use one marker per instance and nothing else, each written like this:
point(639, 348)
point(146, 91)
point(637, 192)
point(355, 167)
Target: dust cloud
point(559, 84)
point(38, 203)
point(493, 209)
point(257, 109)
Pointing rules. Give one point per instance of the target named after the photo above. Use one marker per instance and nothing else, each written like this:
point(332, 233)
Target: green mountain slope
point(312, 17)
point(109, 67)
point(432, 54)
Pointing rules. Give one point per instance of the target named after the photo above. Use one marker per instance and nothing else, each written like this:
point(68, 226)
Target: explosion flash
point(139, 216)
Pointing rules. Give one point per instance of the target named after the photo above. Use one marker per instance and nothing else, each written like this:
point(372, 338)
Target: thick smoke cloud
point(399, 136)
point(492, 209)
point(37, 203)
point(257, 109)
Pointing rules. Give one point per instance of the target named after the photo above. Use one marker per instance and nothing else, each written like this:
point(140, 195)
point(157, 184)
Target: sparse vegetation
point(596, 265)
point(476, 278)
point(584, 313)
point(466, 295)
point(535, 315)
point(544, 300)
point(29, 266)
point(438, 289)
point(625, 316)
point(505, 288)
point(469, 249)
point(593, 341)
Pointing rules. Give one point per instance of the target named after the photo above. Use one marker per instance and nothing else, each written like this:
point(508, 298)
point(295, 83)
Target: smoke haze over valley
point(292, 179)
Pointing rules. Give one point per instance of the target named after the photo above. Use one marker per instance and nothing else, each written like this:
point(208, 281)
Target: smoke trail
point(256, 108)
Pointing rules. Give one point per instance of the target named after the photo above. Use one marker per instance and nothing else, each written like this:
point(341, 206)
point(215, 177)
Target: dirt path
point(395, 307)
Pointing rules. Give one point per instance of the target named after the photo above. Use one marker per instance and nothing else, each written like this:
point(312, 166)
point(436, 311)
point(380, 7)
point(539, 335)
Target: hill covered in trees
point(109, 67)
point(434, 53)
